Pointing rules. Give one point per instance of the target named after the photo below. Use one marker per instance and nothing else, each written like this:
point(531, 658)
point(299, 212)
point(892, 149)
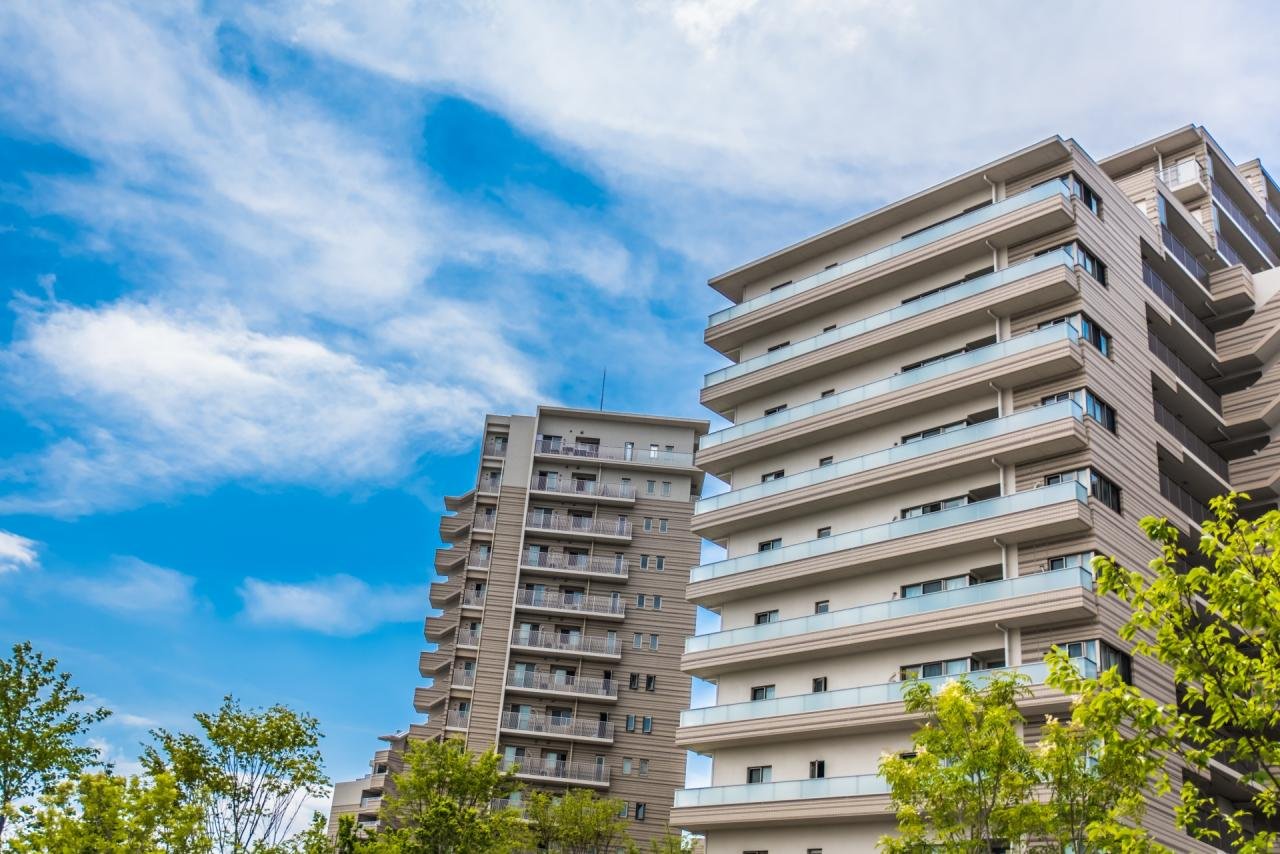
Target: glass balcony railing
point(898, 453)
point(1186, 172)
point(893, 250)
point(974, 594)
point(1169, 297)
point(1185, 256)
point(992, 507)
point(790, 790)
point(1184, 372)
point(897, 382)
point(865, 695)
point(1059, 257)
point(1244, 223)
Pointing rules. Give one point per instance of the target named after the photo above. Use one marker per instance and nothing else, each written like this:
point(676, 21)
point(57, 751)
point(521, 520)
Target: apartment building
point(563, 617)
point(939, 412)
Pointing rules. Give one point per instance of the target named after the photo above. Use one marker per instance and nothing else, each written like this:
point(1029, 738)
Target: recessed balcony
point(1040, 431)
point(495, 448)
point(1044, 353)
point(469, 638)
point(1064, 595)
point(585, 490)
point(463, 679)
point(575, 604)
point(553, 726)
point(585, 527)
point(473, 599)
point(485, 521)
point(567, 645)
point(540, 683)
point(625, 455)
point(788, 803)
point(565, 773)
point(456, 720)
point(1247, 234)
point(608, 567)
point(490, 484)
point(1032, 514)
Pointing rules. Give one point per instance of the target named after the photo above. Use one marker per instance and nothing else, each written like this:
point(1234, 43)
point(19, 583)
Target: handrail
point(1184, 255)
point(1181, 174)
point(1183, 371)
point(573, 486)
point(536, 680)
point(580, 524)
point(1183, 500)
point(468, 637)
point(598, 565)
point(785, 790)
point(533, 767)
point(543, 639)
point(1193, 443)
point(1244, 222)
point(592, 451)
point(576, 602)
point(1170, 297)
point(539, 724)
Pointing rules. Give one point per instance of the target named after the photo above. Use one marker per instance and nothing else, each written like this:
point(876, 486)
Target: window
point(641, 809)
point(1099, 410)
point(763, 617)
point(826, 461)
point(774, 409)
point(773, 475)
point(666, 488)
point(831, 328)
point(817, 769)
point(1103, 654)
point(783, 285)
point(813, 851)
point(929, 361)
point(644, 768)
point(634, 682)
point(650, 682)
point(819, 684)
point(762, 692)
point(822, 606)
point(644, 561)
point(1056, 398)
point(1095, 335)
point(770, 545)
point(931, 669)
point(660, 563)
point(760, 774)
point(653, 642)
point(935, 585)
point(1100, 487)
point(639, 600)
point(828, 393)
point(626, 765)
point(663, 525)
point(631, 723)
point(646, 726)
point(657, 602)
point(1079, 560)
point(637, 641)
point(653, 450)
point(777, 346)
point(1084, 193)
point(974, 275)
point(648, 523)
point(650, 486)
point(934, 507)
point(934, 431)
point(823, 533)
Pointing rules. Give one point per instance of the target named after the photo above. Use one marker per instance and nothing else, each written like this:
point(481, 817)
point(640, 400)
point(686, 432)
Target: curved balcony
point(821, 484)
point(1027, 600)
point(541, 683)
point(571, 729)
point(578, 566)
point(578, 526)
point(643, 457)
point(565, 773)
point(593, 490)
point(1031, 514)
point(554, 643)
point(1033, 355)
point(552, 602)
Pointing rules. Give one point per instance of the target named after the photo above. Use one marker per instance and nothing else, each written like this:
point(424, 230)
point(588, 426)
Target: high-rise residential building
point(940, 411)
point(563, 615)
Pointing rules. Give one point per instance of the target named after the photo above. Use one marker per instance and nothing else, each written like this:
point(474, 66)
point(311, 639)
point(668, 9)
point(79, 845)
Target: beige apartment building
point(563, 615)
point(940, 411)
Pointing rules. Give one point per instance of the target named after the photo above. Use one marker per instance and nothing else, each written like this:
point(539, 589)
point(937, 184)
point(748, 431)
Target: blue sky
point(264, 269)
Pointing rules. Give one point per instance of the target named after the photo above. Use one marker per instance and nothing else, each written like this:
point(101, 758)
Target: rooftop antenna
point(603, 376)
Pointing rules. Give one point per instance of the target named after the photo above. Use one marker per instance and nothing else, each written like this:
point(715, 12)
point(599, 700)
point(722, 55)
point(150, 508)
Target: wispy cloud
point(135, 588)
point(16, 552)
point(335, 605)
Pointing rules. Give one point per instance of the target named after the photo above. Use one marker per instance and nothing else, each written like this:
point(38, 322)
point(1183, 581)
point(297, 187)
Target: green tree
point(449, 800)
point(248, 769)
point(40, 723)
point(106, 814)
point(971, 780)
point(671, 843)
point(1217, 626)
point(577, 822)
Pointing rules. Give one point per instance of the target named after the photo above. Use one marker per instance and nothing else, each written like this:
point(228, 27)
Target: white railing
point(495, 449)
point(479, 559)
point(456, 719)
point(534, 767)
point(463, 679)
point(560, 726)
point(536, 680)
point(610, 566)
point(1181, 174)
point(468, 637)
point(592, 644)
point(473, 598)
point(490, 483)
point(587, 488)
point(578, 603)
point(578, 524)
point(486, 521)
point(645, 456)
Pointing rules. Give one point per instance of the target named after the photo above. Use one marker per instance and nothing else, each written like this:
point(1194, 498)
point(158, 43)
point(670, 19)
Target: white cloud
point(16, 552)
point(134, 721)
point(334, 605)
point(121, 762)
point(134, 587)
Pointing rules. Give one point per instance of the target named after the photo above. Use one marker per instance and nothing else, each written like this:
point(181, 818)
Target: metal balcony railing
point(468, 637)
point(479, 560)
point(473, 598)
point(566, 643)
point(598, 565)
point(1244, 222)
point(578, 524)
point(1227, 251)
point(592, 451)
point(567, 727)
point(578, 603)
point(1184, 255)
point(1183, 500)
point(485, 521)
point(1273, 212)
point(550, 769)
point(490, 483)
point(495, 449)
point(587, 686)
point(457, 719)
point(1186, 172)
point(1170, 359)
point(1170, 298)
point(1191, 441)
point(585, 488)
point(463, 679)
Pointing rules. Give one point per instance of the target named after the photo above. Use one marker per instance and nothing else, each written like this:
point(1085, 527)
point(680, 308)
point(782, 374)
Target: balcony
point(1059, 261)
point(469, 638)
point(494, 448)
point(579, 526)
point(827, 713)
point(490, 484)
point(1181, 310)
point(976, 367)
point(1185, 179)
point(1032, 428)
point(639, 456)
point(1198, 447)
point(1188, 377)
point(456, 719)
point(1184, 256)
point(571, 729)
point(1194, 509)
point(623, 493)
point(477, 559)
point(541, 683)
point(574, 565)
point(486, 521)
point(1028, 600)
point(564, 773)
point(1048, 190)
point(1244, 224)
point(790, 790)
point(1031, 514)
point(473, 599)
point(571, 645)
point(552, 602)
point(464, 679)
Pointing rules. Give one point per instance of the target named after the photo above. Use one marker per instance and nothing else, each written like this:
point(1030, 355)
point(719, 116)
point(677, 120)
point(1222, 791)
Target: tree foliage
point(578, 822)
point(40, 723)
point(106, 814)
point(1217, 626)
point(248, 769)
point(449, 800)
